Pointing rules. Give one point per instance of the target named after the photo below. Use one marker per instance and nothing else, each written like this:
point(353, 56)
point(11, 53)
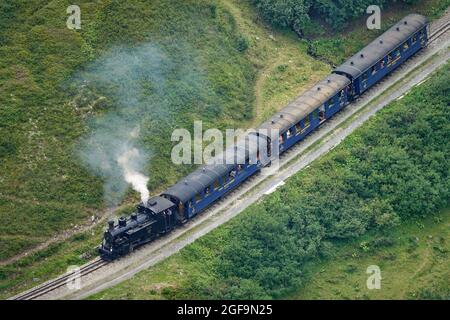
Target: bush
point(297, 14)
point(242, 44)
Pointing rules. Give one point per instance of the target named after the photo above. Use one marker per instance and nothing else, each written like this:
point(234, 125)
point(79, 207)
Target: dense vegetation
point(391, 170)
point(413, 259)
point(299, 14)
point(334, 49)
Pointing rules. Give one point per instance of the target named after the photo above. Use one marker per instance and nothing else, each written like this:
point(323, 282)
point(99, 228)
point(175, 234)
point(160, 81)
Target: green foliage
point(242, 44)
point(303, 16)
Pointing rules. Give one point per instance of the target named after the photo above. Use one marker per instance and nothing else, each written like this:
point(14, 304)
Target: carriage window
point(198, 197)
point(288, 133)
point(405, 46)
point(239, 167)
point(232, 174)
point(389, 58)
point(306, 122)
point(207, 191)
point(322, 112)
point(330, 102)
point(298, 127)
point(190, 204)
point(365, 76)
point(414, 39)
point(216, 184)
point(382, 64)
point(374, 69)
point(341, 95)
point(281, 139)
point(421, 34)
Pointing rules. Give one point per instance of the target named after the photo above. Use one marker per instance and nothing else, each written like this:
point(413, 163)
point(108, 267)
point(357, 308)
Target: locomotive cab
point(148, 222)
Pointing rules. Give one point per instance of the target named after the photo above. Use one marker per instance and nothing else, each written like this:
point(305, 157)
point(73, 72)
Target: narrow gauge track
point(61, 281)
point(439, 31)
point(98, 263)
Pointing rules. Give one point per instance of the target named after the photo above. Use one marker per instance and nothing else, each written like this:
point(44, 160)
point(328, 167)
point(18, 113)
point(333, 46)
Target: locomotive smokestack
point(122, 222)
point(110, 224)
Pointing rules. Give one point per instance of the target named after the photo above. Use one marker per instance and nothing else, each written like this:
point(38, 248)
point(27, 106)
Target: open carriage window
point(341, 96)
point(321, 112)
point(330, 102)
point(374, 69)
point(232, 174)
point(216, 184)
point(306, 122)
point(405, 46)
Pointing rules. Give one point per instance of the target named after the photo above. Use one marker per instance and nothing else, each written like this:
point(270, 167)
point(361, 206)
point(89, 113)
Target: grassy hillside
point(390, 172)
point(46, 106)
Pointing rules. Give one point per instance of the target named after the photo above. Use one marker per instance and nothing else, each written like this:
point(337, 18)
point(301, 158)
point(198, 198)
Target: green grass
point(413, 260)
point(48, 263)
point(270, 249)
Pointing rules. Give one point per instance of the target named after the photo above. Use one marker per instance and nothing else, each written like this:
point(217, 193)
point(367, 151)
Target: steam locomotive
point(203, 187)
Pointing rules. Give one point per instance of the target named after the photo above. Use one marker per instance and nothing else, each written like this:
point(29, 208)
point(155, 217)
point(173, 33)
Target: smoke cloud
point(133, 99)
point(132, 80)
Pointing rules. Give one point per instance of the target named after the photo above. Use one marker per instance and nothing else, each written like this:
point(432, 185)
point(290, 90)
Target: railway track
point(61, 281)
point(436, 32)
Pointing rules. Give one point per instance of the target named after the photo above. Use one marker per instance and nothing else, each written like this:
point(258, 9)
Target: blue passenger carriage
point(309, 110)
point(385, 53)
point(205, 185)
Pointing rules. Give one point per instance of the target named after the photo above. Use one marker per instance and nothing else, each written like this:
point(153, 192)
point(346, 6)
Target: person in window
point(382, 64)
point(341, 96)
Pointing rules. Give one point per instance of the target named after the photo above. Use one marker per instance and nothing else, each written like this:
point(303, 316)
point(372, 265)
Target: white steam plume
point(133, 177)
